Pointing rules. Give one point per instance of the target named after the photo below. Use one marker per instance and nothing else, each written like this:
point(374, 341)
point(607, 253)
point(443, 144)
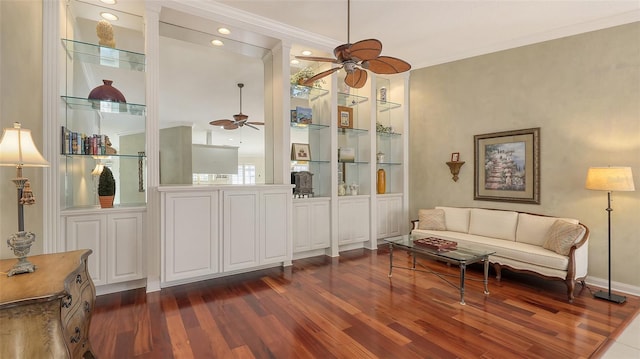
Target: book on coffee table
point(434, 243)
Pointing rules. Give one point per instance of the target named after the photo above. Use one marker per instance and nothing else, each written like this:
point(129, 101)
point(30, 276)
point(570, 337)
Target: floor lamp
point(610, 179)
point(17, 149)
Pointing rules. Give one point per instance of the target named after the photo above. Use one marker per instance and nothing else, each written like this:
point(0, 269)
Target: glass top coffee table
point(459, 256)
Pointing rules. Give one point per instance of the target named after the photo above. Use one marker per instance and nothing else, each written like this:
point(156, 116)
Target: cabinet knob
point(87, 306)
point(79, 279)
point(66, 301)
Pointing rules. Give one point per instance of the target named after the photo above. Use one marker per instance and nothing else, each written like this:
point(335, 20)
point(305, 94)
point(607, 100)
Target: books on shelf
point(75, 143)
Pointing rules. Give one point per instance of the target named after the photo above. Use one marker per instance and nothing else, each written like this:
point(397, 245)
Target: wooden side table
point(46, 314)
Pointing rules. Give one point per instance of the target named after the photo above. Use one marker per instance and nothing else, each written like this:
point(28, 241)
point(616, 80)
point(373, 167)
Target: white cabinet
point(311, 224)
point(353, 220)
point(191, 235)
point(389, 212)
point(116, 240)
point(256, 227)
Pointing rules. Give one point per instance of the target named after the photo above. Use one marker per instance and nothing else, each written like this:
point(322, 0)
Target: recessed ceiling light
point(217, 42)
point(306, 52)
point(224, 31)
point(294, 62)
point(108, 2)
point(108, 16)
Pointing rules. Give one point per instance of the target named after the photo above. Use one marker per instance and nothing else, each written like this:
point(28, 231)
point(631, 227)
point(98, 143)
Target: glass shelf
point(389, 163)
point(78, 103)
point(311, 162)
point(353, 131)
point(309, 126)
point(388, 134)
point(387, 105)
point(345, 99)
point(354, 163)
point(104, 157)
point(105, 56)
point(307, 93)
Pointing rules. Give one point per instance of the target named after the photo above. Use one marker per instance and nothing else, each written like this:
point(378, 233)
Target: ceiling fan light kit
point(239, 120)
point(356, 58)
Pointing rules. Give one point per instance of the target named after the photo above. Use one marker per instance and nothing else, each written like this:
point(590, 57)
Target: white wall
point(582, 91)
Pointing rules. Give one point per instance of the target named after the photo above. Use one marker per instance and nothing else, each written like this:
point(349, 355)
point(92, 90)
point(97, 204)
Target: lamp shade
point(610, 179)
point(17, 148)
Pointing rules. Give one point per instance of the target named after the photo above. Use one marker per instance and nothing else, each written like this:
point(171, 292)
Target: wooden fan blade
point(365, 50)
point(386, 65)
point(356, 79)
point(318, 59)
point(309, 82)
point(221, 122)
point(254, 123)
point(231, 126)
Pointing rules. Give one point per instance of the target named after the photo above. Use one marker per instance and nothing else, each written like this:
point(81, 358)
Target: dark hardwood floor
point(347, 307)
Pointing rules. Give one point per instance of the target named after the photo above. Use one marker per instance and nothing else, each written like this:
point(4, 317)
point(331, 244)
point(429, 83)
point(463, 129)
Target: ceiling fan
point(239, 120)
point(354, 58)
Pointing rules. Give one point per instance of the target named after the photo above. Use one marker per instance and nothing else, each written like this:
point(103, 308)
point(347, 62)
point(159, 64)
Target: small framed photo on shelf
point(300, 152)
point(455, 156)
point(345, 117)
point(303, 115)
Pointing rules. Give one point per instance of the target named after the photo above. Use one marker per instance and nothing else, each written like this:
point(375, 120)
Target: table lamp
point(610, 179)
point(17, 149)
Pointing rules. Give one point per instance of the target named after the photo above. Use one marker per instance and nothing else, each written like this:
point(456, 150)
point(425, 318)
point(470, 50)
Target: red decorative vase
point(107, 92)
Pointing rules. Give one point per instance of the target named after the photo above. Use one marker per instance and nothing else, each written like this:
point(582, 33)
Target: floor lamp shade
point(609, 179)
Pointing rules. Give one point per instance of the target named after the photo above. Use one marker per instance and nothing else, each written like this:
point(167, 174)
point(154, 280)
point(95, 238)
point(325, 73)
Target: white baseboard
point(615, 286)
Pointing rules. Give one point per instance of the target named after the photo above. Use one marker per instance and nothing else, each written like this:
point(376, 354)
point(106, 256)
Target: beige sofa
point(550, 247)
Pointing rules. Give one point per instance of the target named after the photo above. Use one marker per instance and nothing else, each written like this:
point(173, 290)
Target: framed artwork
point(345, 117)
point(507, 166)
point(455, 157)
point(300, 152)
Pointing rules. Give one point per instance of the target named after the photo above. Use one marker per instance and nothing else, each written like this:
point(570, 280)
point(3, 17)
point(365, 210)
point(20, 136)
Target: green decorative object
point(106, 188)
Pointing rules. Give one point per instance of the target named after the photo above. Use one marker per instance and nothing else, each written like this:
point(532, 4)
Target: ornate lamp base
point(20, 243)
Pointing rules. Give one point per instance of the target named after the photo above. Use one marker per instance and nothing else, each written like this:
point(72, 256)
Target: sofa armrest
point(414, 224)
point(579, 257)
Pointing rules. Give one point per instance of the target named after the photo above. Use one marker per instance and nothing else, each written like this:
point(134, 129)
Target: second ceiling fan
point(239, 119)
point(357, 57)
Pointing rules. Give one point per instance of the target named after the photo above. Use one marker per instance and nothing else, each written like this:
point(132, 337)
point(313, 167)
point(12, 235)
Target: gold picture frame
point(507, 166)
point(345, 117)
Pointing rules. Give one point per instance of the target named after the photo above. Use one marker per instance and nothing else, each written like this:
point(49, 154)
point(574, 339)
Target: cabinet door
point(389, 216)
point(302, 220)
point(191, 235)
point(353, 221)
point(274, 223)
point(241, 230)
point(90, 231)
point(124, 247)
point(320, 227)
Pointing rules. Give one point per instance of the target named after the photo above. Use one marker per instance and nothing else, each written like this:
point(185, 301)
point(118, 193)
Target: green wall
point(583, 92)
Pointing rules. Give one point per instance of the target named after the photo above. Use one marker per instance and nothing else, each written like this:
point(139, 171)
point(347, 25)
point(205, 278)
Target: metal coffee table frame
point(460, 256)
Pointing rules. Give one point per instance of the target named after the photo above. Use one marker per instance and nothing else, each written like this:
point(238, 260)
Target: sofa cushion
point(561, 236)
point(532, 229)
point(520, 252)
point(431, 219)
point(456, 219)
point(493, 223)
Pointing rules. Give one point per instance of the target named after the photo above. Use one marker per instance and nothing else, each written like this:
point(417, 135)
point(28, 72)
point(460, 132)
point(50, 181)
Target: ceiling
point(428, 32)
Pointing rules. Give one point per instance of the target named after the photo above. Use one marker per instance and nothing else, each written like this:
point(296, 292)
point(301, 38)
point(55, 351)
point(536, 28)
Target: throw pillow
point(561, 236)
point(432, 219)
